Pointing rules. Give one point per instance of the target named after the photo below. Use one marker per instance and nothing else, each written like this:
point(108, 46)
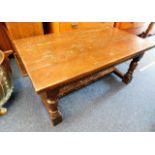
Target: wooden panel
point(84, 81)
point(53, 27)
point(73, 26)
point(5, 43)
point(19, 30)
point(52, 60)
point(129, 25)
point(132, 27)
point(96, 24)
point(66, 26)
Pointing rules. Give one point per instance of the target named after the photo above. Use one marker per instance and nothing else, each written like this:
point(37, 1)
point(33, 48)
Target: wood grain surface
point(55, 59)
point(18, 30)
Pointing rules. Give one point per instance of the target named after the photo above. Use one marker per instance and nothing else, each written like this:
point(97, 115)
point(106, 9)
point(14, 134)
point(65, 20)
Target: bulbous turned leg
point(50, 100)
point(129, 75)
point(3, 111)
point(55, 114)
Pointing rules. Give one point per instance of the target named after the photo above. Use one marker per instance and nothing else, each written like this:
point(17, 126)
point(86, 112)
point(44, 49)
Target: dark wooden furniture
point(148, 30)
point(132, 27)
point(5, 43)
point(19, 30)
point(56, 27)
point(60, 63)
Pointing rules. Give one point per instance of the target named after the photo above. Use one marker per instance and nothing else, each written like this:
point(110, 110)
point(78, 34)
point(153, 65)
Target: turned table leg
point(50, 100)
point(129, 75)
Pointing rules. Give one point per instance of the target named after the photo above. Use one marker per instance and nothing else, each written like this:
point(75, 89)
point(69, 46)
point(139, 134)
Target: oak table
point(60, 63)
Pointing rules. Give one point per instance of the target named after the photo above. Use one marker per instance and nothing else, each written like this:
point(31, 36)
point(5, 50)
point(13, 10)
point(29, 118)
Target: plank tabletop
point(54, 59)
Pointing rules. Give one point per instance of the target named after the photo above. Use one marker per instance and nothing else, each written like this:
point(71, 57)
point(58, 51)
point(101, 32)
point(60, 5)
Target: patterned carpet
point(106, 105)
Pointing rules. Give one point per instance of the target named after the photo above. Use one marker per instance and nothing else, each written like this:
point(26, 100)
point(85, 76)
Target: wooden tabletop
point(51, 60)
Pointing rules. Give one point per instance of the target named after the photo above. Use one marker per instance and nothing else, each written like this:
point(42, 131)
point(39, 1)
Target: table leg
point(50, 100)
point(129, 75)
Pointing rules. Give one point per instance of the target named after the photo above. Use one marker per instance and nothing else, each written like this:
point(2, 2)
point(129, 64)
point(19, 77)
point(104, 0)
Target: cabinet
point(18, 30)
point(5, 43)
point(74, 26)
point(132, 27)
